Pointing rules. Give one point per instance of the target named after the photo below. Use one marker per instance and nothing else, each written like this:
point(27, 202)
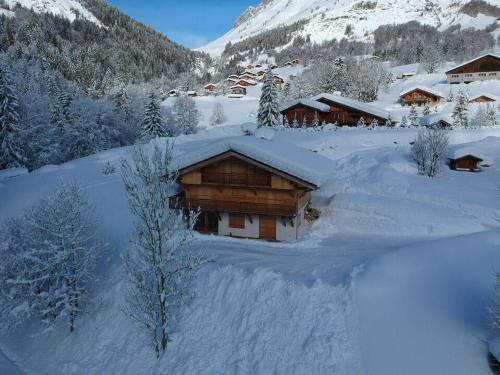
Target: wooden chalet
point(483, 68)
point(247, 76)
point(420, 95)
point(250, 187)
point(288, 63)
point(192, 93)
point(250, 66)
point(238, 90)
point(303, 111)
point(278, 80)
point(245, 83)
point(261, 73)
point(465, 163)
point(272, 66)
point(437, 120)
point(258, 66)
point(483, 98)
point(347, 112)
point(173, 93)
point(210, 88)
point(295, 61)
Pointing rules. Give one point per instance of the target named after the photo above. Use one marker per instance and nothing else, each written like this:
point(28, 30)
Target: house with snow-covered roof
point(238, 90)
point(245, 82)
point(482, 68)
point(420, 95)
point(348, 111)
point(464, 159)
point(210, 88)
point(483, 98)
point(250, 187)
point(437, 120)
point(304, 111)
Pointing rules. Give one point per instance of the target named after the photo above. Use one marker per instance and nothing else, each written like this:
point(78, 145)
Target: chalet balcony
point(239, 179)
point(233, 207)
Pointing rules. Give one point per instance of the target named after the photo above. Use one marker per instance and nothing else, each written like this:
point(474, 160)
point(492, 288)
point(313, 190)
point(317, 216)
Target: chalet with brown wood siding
point(483, 68)
point(250, 187)
point(420, 95)
point(483, 98)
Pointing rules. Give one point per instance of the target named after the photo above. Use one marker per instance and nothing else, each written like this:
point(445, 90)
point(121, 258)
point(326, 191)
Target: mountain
point(353, 19)
point(69, 9)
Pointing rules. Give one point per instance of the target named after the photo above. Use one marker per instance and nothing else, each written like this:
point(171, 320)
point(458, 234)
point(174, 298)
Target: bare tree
point(429, 150)
point(160, 263)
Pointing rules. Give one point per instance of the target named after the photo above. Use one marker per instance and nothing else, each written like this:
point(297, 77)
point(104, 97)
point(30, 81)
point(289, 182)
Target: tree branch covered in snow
point(429, 150)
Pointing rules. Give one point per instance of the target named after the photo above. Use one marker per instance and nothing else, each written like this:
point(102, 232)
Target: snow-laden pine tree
point(121, 101)
point(404, 122)
point(361, 122)
point(450, 97)
point(286, 124)
point(56, 248)
point(374, 123)
point(295, 122)
point(152, 124)
point(427, 109)
point(10, 151)
point(460, 112)
point(268, 114)
point(413, 117)
point(186, 115)
point(160, 262)
point(491, 116)
point(62, 117)
point(218, 117)
point(315, 121)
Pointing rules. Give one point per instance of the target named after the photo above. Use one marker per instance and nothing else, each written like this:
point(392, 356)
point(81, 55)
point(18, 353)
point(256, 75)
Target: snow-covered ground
point(396, 270)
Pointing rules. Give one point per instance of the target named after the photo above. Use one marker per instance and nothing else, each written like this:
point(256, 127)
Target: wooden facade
point(466, 163)
point(419, 97)
point(278, 80)
point(245, 83)
point(300, 112)
point(483, 68)
point(238, 90)
point(482, 99)
point(348, 116)
point(245, 191)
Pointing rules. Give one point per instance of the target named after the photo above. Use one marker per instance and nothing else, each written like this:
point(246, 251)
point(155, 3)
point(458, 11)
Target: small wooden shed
point(466, 162)
point(483, 98)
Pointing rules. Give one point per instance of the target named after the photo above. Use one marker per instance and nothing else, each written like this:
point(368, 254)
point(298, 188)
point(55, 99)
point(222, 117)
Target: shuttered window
point(237, 221)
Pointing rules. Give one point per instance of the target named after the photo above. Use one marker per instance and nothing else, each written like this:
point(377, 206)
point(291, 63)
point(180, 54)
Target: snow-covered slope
point(328, 19)
point(64, 8)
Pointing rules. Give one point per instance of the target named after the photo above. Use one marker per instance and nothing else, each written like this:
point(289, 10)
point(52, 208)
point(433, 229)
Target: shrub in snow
point(186, 115)
point(361, 122)
point(108, 169)
point(160, 263)
point(48, 258)
point(427, 109)
point(429, 150)
point(404, 122)
point(268, 114)
point(460, 112)
point(218, 117)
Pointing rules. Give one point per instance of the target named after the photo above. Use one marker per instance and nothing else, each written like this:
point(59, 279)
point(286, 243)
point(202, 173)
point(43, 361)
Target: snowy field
point(397, 270)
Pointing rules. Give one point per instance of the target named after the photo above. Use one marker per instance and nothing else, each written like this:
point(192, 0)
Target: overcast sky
point(191, 23)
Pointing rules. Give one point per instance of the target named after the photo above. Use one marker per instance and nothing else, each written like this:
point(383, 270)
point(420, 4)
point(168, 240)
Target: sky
point(192, 23)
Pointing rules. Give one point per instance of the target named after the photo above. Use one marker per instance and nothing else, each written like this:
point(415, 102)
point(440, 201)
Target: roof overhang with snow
point(451, 71)
point(493, 98)
point(354, 104)
point(308, 103)
point(423, 89)
point(295, 163)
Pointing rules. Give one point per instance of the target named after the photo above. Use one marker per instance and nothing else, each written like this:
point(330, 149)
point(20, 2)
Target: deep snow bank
point(423, 310)
point(239, 323)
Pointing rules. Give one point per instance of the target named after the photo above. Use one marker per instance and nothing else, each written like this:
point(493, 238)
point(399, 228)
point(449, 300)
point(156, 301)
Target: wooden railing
point(241, 179)
point(233, 207)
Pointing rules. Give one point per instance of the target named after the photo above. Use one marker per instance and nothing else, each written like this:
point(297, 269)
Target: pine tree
point(404, 122)
point(122, 103)
point(361, 122)
point(61, 114)
point(285, 122)
point(460, 112)
point(10, 150)
point(450, 97)
point(491, 116)
point(374, 123)
point(295, 122)
point(268, 114)
point(315, 122)
point(413, 117)
point(152, 125)
point(427, 109)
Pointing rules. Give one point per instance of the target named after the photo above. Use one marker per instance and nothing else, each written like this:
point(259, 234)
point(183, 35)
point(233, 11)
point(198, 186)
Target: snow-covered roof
point(285, 157)
point(355, 104)
point(421, 88)
point(493, 97)
point(307, 103)
point(472, 60)
point(251, 82)
point(435, 118)
point(408, 74)
point(460, 152)
point(238, 86)
point(210, 84)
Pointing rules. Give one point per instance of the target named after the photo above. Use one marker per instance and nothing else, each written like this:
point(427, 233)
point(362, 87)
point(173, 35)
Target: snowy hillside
point(64, 8)
point(328, 19)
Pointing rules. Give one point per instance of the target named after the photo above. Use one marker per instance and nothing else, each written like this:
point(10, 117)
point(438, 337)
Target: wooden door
point(267, 227)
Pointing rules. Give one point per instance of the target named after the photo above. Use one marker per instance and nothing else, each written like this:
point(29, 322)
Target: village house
point(341, 110)
point(248, 76)
point(295, 61)
point(406, 75)
point(245, 82)
point(437, 120)
point(288, 64)
point(483, 98)
point(173, 93)
point(258, 66)
point(420, 95)
point(483, 68)
point(278, 79)
point(250, 187)
point(210, 88)
point(232, 81)
point(192, 93)
point(462, 160)
point(272, 66)
point(250, 66)
point(238, 90)
point(305, 109)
